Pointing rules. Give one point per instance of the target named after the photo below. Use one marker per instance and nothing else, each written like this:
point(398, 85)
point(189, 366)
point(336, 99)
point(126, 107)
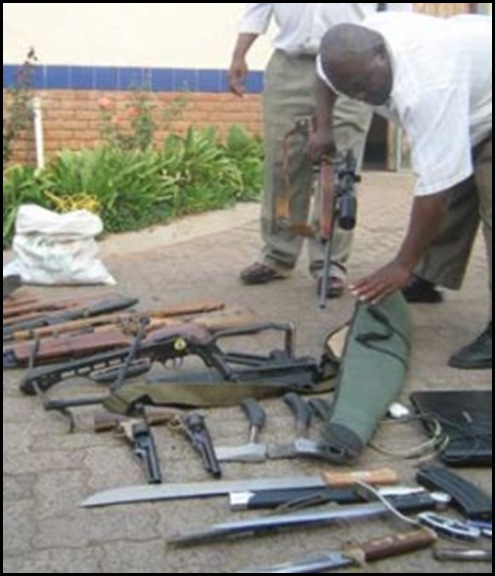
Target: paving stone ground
point(47, 472)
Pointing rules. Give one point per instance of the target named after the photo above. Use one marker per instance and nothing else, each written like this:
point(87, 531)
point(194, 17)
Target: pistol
point(143, 444)
point(139, 435)
point(193, 425)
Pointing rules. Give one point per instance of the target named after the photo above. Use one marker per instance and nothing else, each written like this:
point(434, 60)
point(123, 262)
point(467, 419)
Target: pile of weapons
point(310, 501)
point(103, 339)
point(107, 340)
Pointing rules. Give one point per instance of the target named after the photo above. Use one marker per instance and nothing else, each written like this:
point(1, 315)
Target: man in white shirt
point(434, 77)
point(286, 98)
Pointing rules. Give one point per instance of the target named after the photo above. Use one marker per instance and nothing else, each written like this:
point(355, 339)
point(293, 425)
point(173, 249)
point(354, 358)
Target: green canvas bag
point(373, 367)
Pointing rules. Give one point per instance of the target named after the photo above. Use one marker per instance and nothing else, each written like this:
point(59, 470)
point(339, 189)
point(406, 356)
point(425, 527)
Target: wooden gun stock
point(111, 337)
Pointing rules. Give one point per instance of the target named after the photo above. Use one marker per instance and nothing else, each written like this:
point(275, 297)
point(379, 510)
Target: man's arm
point(238, 67)
point(255, 21)
point(425, 221)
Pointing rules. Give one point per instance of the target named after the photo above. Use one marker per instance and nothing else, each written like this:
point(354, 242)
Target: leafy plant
point(133, 126)
point(132, 189)
point(247, 153)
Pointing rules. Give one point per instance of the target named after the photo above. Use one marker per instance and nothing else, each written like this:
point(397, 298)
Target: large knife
point(369, 552)
point(148, 493)
point(308, 518)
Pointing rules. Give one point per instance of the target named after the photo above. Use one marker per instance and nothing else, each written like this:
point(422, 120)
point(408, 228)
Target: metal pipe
point(38, 132)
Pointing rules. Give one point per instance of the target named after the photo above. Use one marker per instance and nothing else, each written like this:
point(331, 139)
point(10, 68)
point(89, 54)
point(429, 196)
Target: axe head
point(251, 452)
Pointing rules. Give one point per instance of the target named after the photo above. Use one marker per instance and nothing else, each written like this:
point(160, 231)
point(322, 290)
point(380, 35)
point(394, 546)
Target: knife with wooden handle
point(369, 551)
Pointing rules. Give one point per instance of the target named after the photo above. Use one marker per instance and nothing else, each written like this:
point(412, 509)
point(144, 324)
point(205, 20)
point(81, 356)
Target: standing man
point(286, 98)
point(435, 77)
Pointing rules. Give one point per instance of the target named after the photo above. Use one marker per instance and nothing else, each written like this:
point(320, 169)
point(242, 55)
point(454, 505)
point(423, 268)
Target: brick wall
point(73, 118)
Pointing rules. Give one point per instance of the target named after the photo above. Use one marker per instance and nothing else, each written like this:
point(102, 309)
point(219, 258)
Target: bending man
point(434, 77)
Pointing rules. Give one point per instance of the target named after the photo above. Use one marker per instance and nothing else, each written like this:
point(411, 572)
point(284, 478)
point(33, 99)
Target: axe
point(252, 451)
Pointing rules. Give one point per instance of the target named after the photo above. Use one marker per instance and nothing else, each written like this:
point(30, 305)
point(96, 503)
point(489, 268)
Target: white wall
point(187, 35)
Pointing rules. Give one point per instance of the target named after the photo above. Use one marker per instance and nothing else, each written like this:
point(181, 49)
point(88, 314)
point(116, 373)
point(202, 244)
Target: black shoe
point(475, 356)
point(420, 291)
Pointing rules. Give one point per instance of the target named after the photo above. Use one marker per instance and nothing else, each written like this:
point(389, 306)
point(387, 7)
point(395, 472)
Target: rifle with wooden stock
point(74, 311)
point(109, 336)
point(124, 319)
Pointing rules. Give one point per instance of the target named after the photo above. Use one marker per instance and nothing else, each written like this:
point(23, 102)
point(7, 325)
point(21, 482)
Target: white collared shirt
point(301, 26)
point(442, 91)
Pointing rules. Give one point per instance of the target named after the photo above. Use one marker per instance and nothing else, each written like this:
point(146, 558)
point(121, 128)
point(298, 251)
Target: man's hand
point(426, 217)
point(238, 68)
point(381, 283)
point(321, 144)
point(237, 76)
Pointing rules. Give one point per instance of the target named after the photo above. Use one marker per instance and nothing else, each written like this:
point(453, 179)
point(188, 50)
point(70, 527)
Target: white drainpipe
point(38, 133)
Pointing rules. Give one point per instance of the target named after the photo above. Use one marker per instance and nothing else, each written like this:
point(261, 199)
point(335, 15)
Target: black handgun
point(138, 433)
point(193, 425)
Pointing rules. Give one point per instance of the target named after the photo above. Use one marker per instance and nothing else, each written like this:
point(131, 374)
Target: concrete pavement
point(47, 472)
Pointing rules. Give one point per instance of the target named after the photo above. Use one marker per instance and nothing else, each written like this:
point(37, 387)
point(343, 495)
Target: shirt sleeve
point(437, 125)
point(256, 18)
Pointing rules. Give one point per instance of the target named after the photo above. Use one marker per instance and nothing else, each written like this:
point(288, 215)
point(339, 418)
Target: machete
point(367, 552)
point(270, 523)
point(148, 493)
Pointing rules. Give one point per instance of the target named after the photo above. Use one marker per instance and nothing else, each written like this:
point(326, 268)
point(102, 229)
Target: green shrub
point(133, 188)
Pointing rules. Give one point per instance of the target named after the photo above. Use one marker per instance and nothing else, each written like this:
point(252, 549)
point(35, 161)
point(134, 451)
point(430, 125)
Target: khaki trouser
point(448, 257)
point(289, 94)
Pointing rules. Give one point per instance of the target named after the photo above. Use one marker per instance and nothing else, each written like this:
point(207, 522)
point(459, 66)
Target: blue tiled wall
point(114, 78)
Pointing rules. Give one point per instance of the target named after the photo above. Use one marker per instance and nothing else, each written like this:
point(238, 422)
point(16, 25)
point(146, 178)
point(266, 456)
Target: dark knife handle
point(254, 413)
point(300, 410)
point(321, 408)
point(466, 497)
point(397, 544)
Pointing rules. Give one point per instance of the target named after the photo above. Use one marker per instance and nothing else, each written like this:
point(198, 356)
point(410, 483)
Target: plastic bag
point(56, 248)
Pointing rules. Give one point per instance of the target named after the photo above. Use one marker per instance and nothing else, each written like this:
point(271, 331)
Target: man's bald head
point(356, 62)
